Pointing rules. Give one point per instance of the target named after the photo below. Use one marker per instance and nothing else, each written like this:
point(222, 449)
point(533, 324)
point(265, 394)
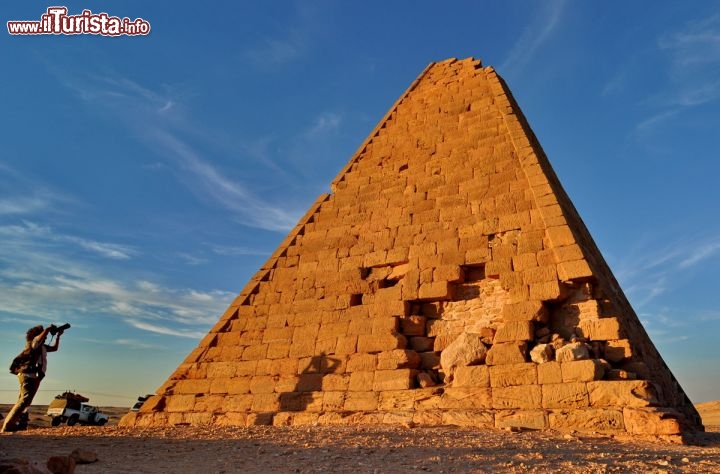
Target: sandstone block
point(429, 360)
point(305, 418)
point(396, 400)
point(380, 342)
point(361, 401)
point(384, 325)
point(398, 359)
point(621, 393)
point(265, 402)
point(425, 380)
point(568, 271)
point(560, 235)
point(232, 419)
point(333, 401)
point(530, 419)
point(262, 384)
point(286, 383)
point(421, 344)
point(402, 418)
point(472, 376)
point(507, 353)
point(515, 331)
point(226, 369)
point(362, 363)
point(278, 350)
point(237, 385)
point(259, 419)
point(192, 386)
point(587, 420)
point(439, 290)
point(526, 311)
point(549, 372)
point(413, 325)
point(346, 345)
point(208, 403)
point(545, 290)
point(518, 396)
point(565, 395)
point(508, 375)
point(179, 403)
point(444, 340)
point(427, 418)
point(473, 418)
point(300, 348)
point(301, 401)
point(603, 329)
point(467, 349)
point(582, 370)
point(651, 421)
point(400, 379)
point(466, 398)
point(616, 351)
point(572, 351)
point(542, 353)
point(361, 381)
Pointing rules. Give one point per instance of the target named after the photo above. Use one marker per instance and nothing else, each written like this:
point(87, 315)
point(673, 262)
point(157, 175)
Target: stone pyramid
point(447, 279)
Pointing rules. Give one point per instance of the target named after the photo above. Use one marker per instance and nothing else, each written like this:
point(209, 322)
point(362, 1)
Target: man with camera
point(31, 369)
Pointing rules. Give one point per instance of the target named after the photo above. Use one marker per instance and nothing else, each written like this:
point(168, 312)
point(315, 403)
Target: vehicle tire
point(56, 421)
point(72, 420)
point(101, 421)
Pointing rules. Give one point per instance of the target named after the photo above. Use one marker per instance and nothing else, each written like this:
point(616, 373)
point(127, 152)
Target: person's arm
point(40, 338)
point(55, 345)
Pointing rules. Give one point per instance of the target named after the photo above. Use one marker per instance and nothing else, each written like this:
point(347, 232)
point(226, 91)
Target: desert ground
point(359, 449)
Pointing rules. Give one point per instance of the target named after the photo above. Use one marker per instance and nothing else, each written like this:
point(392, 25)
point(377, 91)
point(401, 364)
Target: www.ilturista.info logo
point(57, 22)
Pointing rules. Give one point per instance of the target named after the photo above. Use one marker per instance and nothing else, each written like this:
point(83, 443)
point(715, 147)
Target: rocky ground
point(356, 449)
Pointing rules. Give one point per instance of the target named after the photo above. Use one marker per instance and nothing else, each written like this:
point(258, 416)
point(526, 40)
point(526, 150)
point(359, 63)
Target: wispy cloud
point(276, 51)
point(22, 196)
point(696, 45)
point(702, 252)
point(134, 344)
point(160, 120)
point(290, 44)
point(693, 57)
point(231, 194)
point(646, 275)
point(325, 123)
point(232, 251)
point(39, 275)
point(165, 330)
point(47, 235)
point(615, 84)
point(533, 37)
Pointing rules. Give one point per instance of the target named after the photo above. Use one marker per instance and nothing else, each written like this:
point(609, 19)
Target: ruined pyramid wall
point(446, 280)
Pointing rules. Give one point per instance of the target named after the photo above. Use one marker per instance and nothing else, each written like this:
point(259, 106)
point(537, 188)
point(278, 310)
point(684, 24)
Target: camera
point(59, 329)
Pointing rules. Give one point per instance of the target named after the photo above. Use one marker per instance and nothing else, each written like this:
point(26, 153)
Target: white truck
point(71, 408)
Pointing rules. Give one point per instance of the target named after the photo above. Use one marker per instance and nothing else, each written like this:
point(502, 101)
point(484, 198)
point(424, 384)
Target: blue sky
point(144, 180)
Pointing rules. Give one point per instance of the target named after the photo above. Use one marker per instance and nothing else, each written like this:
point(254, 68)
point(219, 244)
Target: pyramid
point(446, 280)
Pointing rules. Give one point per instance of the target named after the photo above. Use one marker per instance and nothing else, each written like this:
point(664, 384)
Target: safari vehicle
point(71, 408)
point(140, 402)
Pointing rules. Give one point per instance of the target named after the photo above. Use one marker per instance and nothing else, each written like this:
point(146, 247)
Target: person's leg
point(28, 388)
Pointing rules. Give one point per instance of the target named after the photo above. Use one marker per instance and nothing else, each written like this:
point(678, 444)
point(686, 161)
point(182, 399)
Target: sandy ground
point(361, 449)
